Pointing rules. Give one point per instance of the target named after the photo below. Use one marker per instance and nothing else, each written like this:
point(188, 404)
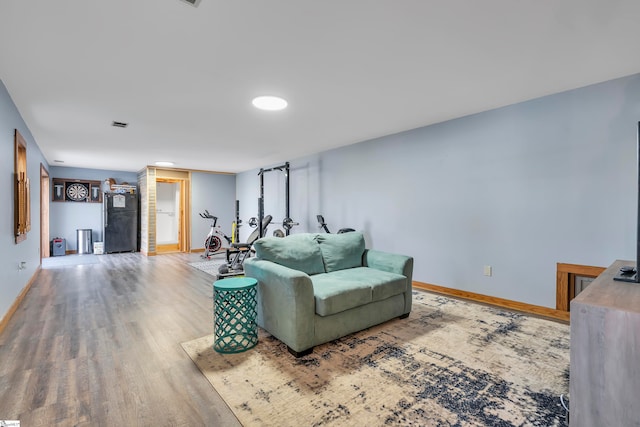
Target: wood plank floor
point(99, 345)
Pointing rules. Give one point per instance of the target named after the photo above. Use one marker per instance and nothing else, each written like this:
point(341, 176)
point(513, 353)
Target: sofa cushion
point(345, 289)
point(334, 294)
point(297, 251)
point(384, 284)
point(340, 251)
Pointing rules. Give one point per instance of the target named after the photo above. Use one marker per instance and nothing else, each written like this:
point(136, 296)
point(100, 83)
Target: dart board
point(77, 192)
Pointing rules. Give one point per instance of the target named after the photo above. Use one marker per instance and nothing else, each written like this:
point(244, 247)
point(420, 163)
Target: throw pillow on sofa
point(341, 251)
point(297, 251)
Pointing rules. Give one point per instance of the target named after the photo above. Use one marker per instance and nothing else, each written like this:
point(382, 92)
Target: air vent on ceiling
point(119, 124)
point(193, 3)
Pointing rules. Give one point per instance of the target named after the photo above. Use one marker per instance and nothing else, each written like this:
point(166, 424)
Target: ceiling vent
point(119, 124)
point(193, 3)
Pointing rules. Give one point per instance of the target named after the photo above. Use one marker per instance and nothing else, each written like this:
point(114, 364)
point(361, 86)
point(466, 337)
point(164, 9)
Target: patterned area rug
point(451, 363)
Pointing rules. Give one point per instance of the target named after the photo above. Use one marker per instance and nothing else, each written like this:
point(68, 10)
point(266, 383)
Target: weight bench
point(238, 252)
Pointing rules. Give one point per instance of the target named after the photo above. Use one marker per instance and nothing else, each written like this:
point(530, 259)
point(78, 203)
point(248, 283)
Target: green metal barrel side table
point(234, 306)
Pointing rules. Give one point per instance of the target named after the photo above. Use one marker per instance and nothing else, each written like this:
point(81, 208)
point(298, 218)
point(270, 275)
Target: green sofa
point(315, 288)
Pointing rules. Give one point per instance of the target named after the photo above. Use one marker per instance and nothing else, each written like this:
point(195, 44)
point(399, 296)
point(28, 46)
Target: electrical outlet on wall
point(487, 270)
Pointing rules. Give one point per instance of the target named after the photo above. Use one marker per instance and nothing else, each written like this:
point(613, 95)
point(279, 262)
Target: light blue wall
point(215, 193)
point(67, 217)
point(13, 280)
point(519, 188)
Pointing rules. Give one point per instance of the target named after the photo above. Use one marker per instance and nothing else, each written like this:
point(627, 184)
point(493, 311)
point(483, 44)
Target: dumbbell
point(288, 223)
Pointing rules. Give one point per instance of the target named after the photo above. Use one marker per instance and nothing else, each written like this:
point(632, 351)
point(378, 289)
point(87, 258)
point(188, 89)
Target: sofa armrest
point(286, 305)
point(393, 263)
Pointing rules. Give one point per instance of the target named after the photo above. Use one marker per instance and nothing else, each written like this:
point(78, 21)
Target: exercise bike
point(213, 241)
point(323, 225)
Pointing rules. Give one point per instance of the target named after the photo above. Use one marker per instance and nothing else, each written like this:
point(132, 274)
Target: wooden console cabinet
point(605, 353)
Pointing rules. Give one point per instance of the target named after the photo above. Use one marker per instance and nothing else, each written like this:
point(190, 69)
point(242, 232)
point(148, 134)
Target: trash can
point(84, 241)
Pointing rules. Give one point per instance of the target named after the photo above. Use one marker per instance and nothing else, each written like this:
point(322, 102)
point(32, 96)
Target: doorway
point(170, 209)
point(44, 212)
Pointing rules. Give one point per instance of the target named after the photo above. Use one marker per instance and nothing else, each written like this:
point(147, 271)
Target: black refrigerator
point(120, 222)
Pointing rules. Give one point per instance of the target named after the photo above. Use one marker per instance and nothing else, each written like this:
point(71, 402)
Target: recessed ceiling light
point(269, 103)
point(165, 163)
point(194, 3)
point(58, 161)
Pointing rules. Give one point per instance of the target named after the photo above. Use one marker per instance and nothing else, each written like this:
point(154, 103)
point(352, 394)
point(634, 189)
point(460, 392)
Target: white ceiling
point(184, 77)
